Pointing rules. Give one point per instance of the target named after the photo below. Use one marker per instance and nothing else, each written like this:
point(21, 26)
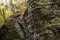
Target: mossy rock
point(1, 21)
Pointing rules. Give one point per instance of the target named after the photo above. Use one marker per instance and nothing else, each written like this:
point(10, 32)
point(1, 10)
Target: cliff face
point(41, 21)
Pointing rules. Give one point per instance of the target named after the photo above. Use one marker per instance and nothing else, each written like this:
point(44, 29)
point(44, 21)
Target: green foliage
point(1, 21)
